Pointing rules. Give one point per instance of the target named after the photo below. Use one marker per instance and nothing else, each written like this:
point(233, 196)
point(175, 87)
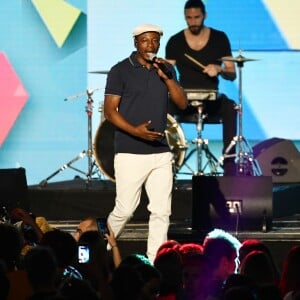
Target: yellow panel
point(286, 15)
point(58, 16)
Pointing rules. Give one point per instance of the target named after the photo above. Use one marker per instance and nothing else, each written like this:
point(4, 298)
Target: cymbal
point(238, 59)
point(99, 72)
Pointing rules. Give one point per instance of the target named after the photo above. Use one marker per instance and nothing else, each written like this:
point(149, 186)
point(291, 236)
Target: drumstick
point(194, 61)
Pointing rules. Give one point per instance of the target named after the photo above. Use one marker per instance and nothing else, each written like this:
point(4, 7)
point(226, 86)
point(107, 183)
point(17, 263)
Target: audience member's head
point(222, 249)
point(135, 259)
point(190, 248)
point(126, 283)
point(12, 244)
point(169, 244)
point(63, 245)
point(151, 281)
point(197, 275)
point(41, 266)
point(290, 275)
point(169, 263)
point(96, 270)
point(88, 224)
point(258, 266)
point(136, 278)
point(249, 245)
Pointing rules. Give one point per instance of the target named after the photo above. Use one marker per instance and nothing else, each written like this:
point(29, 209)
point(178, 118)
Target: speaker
point(13, 189)
point(233, 203)
point(278, 158)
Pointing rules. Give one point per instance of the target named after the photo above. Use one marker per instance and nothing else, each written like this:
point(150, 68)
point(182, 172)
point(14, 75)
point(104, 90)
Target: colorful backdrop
point(48, 49)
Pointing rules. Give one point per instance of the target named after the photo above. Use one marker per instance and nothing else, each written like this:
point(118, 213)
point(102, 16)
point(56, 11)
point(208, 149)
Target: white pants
point(131, 172)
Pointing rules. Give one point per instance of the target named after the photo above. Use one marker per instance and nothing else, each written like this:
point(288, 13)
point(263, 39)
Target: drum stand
point(201, 146)
point(246, 163)
point(92, 167)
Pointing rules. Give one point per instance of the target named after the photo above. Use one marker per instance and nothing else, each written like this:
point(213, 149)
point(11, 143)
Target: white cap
point(146, 28)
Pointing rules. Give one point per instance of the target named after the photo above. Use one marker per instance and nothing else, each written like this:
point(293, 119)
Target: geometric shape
point(13, 97)
point(233, 203)
point(59, 18)
point(287, 19)
point(278, 158)
point(243, 34)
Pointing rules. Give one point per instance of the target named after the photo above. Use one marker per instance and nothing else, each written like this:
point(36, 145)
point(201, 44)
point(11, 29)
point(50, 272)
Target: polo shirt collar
point(133, 60)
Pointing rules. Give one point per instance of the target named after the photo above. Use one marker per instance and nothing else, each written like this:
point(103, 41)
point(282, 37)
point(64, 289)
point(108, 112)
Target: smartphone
point(102, 225)
point(83, 254)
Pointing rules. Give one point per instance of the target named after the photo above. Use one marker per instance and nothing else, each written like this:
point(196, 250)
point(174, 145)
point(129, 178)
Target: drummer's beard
point(195, 30)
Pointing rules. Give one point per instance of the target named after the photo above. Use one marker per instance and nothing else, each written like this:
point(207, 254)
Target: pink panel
point(13, 97)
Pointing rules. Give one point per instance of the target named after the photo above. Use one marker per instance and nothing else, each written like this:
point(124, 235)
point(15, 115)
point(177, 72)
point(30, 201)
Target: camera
point(102, 225)
point(83, 254)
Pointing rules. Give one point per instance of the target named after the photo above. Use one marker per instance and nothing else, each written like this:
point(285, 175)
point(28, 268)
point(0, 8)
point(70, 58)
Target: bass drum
point(104, 145)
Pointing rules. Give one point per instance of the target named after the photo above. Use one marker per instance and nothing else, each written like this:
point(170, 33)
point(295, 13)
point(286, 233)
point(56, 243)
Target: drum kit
point(100, 154)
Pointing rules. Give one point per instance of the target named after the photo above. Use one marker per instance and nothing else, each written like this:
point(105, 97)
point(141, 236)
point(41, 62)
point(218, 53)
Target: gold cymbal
point(238, 59)
point(99, 72)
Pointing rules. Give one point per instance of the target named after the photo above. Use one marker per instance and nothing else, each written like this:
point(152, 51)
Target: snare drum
point(104, 145)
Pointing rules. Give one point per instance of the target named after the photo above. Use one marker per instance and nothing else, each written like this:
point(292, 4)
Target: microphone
point(162, 66)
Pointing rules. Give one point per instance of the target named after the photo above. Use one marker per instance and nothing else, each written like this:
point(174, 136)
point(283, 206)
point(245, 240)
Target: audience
point(136, 279)
point(188, 248)
point(249, 245)
point(126, 283)
point(289, 283)
point(77, 289)
point(96, 268)
point(197, 276)
point(241, 293)
point(169, 263)
point(41, 266)
point(90, 224)
point(4, 283)
point(222, 250)
point(10, 255)
point(87, 224)
point(151, 281)
point(258, 267)
point(50, 269)
point(64, 248)
point(169, 244)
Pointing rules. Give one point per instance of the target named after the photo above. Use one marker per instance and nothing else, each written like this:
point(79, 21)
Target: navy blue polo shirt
point(144, 96)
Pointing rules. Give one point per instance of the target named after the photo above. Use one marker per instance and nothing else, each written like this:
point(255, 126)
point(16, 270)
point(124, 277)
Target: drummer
point(206, 46)
point(136, 102)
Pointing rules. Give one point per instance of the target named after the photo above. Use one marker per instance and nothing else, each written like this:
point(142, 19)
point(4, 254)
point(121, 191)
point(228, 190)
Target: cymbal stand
point(246, 163)
point(202, 146)
point(92, 167)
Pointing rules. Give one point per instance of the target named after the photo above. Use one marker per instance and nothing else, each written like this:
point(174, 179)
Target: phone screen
point(83, 254)
point(102, 225)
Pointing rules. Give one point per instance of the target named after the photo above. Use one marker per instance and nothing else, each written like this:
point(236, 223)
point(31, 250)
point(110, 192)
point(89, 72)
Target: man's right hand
point(146, 132)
